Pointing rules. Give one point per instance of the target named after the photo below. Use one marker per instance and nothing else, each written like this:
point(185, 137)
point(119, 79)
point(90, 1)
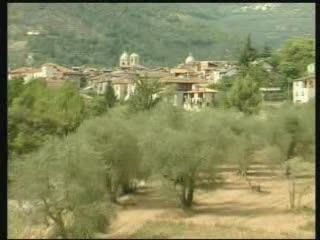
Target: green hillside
point(163, 34)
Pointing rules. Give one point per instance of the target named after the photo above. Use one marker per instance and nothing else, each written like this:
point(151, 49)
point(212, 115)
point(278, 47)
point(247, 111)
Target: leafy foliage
point(15, 88)
point(38, 112)
point(145, 94)
point(61, 178)
point(245, 95)
point(116, 144)
point(95, 106)
point(294, 56)
point(74, 174)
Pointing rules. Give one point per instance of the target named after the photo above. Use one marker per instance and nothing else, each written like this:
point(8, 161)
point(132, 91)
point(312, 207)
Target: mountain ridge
point(163, 34)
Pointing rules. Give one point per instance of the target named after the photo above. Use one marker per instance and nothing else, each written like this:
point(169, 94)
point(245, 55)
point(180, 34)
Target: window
point(311, 84)
point(200, 95)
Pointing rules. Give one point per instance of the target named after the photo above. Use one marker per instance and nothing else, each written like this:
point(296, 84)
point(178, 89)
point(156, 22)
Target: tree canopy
point(245, 95)
point(294, 56)
point(37, 112)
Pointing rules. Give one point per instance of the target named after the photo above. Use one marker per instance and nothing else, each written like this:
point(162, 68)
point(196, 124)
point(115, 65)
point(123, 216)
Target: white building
point(304, 88)
point(198, 98)
point(27, 73)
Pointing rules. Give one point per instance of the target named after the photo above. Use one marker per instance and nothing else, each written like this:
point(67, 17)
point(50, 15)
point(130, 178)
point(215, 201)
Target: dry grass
point(19, 227)
point(231, 210)
point(168, 229)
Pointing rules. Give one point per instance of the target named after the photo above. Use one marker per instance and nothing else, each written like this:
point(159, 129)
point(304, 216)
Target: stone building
point(123, 83)
point(180, 87)
point(54, 74)
point(27, 73)
point(211, 71)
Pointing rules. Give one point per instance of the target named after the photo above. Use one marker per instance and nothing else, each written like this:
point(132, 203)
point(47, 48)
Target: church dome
point(189, 59)
point(124, 56)
point(134, 55)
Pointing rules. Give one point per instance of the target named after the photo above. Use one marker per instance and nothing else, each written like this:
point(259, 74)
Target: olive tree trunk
point(292, 192)
point(187, 192)
point(112, 189)
point(57, 218)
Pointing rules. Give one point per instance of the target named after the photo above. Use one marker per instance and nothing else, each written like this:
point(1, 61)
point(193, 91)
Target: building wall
point(197, 102)
point(216, 76)
point(130, 91)
point(27, 77)
point(123, 90)
point(302, 92)
point(117, 90)
point(298, 92)
point(311, 89)
point(48, 71)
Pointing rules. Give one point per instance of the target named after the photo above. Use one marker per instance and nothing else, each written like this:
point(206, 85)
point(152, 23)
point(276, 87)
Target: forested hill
point(163, 34)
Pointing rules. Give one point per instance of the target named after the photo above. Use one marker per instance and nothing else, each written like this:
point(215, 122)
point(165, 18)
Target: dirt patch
point(232, 207)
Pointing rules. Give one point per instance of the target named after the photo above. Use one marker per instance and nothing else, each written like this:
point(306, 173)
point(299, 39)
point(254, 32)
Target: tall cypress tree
point(110, 96)
point(248, 53)
point(266, 52)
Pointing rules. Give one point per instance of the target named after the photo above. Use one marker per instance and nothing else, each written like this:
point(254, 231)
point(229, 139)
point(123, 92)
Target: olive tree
point(291, 137)
point(110, 137)
point(181, 150)
point(65, 178)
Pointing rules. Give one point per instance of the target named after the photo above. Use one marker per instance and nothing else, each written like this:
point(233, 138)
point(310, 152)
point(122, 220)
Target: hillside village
point(161, 121)
point(191, 79)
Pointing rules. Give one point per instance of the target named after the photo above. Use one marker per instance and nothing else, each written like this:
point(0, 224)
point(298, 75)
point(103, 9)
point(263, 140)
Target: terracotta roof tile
point(182, 80)
point(24, 70)
point(59, 68)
